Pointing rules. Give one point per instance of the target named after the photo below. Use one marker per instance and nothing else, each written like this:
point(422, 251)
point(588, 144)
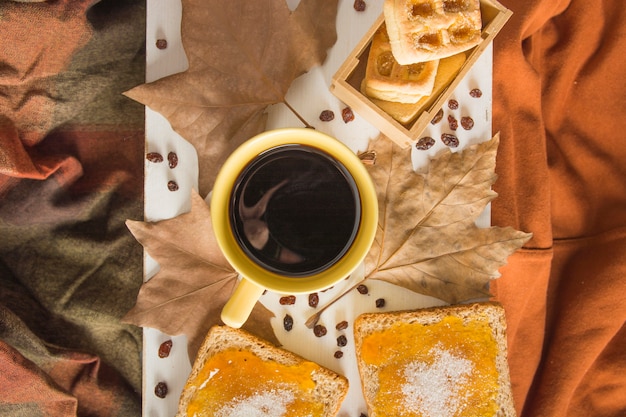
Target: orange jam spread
point(238, 383)
point(442, 369)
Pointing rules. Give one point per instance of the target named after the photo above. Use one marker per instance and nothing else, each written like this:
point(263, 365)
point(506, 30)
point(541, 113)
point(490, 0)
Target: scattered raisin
point(161, 43)
point(453, 104)
point(453, 123)
point(314, 299)
point(476, 93)
point(172, 185)
point(160, 390)
point(449, 140)
point(342, 325)
point(363, 415)
point(172, 158)
point(154, 157)
point(287, 300)
point(437, 117)
point(425, 143)
point(342, 341)
point(165, 348)
point(319, 330)
point(467, 122)
point(347, 115)
point(380, 303)
point(362, 289)
point(327, 115)
point(288, 322)
point(359, 5)
point(338, 354)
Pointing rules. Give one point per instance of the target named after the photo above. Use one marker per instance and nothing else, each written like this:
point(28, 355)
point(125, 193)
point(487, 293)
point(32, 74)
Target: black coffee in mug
point(295, 210)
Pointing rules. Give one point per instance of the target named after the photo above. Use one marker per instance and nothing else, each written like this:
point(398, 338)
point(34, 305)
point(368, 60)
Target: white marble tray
point(309, 95)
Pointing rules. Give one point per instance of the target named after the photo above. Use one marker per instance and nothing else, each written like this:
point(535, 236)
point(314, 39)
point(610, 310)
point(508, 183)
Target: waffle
point(424, 30)
point(385, 79)
point(406, 113)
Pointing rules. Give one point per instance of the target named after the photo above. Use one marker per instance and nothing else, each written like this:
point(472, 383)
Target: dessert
point(406, 113)
point(386, 79)
point(425, 30)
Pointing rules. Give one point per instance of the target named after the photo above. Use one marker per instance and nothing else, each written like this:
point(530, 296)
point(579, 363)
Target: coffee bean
point(172, 185)
point(287, 300)
point(154, 157)
point(319, 330)
point(453, 123)
point(342, 325)
point(165, 348)
point(467, 122)
point(172, 159)
point(425, 143)
point(160, 390)
point(327, 115)
point(288, 322)
point(449, 140)
point(359, 5)
point(475, 92)
point(347, 115)
point(437, 117)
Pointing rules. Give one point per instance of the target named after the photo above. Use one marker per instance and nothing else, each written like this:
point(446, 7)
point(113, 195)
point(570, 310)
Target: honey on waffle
point(424, 30)
point(386, 79)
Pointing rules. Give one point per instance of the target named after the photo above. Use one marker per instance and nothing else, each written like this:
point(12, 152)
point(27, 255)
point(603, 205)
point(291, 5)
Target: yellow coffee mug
point(280, 147)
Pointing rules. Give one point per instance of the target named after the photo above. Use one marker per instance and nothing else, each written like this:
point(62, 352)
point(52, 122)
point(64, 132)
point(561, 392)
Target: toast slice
point(385, 79)
point(444, 361)
point(424, 30)
point(406, 113)
point(239, 374)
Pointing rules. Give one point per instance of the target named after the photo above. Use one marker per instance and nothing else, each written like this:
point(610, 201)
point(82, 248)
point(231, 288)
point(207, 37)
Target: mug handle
point(238, 308)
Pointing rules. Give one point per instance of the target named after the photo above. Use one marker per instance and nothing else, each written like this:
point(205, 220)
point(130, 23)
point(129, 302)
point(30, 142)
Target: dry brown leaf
point(194, 281)
point(243, 56)
point(427, 240)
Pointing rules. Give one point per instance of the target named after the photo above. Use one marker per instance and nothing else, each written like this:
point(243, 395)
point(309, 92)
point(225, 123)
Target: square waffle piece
point(424, 30)
point(406, 113)
point(386, 79)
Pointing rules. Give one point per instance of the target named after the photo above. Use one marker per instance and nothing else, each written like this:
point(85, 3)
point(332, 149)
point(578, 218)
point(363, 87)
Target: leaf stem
point(306, 124)
point(312, 321)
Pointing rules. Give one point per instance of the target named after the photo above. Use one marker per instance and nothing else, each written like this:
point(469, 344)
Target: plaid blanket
point(71, 173)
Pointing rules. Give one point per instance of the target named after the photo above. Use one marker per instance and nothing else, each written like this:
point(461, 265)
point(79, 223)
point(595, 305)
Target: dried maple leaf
point(243, 56)
point(194, 281)
point(427, 240)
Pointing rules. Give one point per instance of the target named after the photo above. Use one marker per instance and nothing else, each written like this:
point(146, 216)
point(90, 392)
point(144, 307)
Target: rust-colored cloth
point(71, 173)
point(559, 88)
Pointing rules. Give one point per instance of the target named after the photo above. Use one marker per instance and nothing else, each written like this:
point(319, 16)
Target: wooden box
point(346, 82)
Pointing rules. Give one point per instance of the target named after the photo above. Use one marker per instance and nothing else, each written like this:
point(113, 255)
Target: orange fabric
point(559, 86)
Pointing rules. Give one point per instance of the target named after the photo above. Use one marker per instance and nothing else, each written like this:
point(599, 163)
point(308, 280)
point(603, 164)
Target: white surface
point(309, 95)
